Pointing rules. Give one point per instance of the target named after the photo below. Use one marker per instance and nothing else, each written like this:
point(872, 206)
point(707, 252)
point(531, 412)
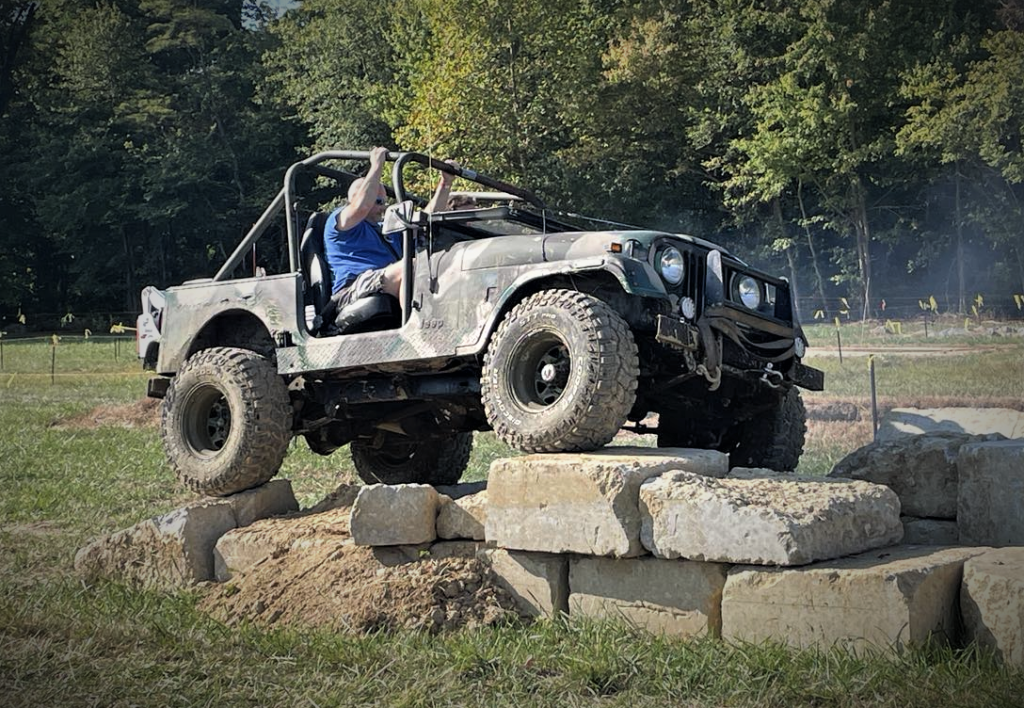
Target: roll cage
point(287, 201)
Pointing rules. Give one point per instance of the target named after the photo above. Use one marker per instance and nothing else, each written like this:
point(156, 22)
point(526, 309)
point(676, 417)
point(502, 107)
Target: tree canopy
point(872, 150)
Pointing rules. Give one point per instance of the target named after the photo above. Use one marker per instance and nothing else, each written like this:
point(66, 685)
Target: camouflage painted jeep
point(513, 320)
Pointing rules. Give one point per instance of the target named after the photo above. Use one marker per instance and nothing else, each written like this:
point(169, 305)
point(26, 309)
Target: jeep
point(513, 318)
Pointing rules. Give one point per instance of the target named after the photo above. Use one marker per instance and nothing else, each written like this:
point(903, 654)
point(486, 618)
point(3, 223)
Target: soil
point(143, 413)
point(327, 582)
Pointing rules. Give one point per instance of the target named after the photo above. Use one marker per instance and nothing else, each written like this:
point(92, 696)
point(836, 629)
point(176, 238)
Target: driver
point(362, 260)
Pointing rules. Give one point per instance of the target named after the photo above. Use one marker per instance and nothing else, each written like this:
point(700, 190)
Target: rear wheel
point(226, 421)
point(560, 373)
point(402, 460)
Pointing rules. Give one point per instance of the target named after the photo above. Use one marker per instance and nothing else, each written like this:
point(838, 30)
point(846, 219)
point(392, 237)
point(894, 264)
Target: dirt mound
point(143, 413)
point(343, 587)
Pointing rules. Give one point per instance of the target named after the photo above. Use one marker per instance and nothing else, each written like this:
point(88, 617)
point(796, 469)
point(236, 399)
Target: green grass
point(946, 331)
point(988, 375)
point(66, 643)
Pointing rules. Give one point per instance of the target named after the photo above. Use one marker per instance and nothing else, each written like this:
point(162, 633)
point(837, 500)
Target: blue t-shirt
point(358, 249)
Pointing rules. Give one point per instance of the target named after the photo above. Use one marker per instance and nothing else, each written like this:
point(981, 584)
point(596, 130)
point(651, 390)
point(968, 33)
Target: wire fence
point(56, 355)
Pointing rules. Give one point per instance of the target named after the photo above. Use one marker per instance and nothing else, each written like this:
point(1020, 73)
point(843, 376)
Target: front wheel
point(226, 421)
point(398, 459)
point(560, 373)
point(775, 439)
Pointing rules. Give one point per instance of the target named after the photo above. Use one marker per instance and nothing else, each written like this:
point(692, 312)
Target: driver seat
point(366, 314)
point(315, 271)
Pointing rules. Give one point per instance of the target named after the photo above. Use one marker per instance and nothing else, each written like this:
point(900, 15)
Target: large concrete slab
point(992, 602)
point(901, 422)
point(990, 501)
point(275, 498)
point(586, 503)
point(765, 518)
point(166, 552)
point(463, 516)
point(538, 582)
point(394, 515)
point(921, 469)
point(675, 598)
point(885, 598)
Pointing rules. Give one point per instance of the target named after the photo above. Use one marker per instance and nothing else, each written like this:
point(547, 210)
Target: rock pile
point(670, 540)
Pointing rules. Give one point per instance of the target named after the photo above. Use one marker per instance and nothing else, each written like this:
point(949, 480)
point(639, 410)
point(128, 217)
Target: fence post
point(839, 341)
point(874, 399)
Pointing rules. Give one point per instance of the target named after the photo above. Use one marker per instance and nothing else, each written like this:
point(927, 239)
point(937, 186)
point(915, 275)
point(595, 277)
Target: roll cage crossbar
point(286, 199)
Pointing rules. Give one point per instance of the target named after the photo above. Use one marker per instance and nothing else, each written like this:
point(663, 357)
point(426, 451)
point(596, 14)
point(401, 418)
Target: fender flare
point(632, 276)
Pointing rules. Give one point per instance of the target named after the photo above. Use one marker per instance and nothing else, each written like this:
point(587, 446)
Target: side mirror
point(399, 217)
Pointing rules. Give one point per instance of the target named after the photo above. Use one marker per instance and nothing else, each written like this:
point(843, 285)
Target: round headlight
point(670, 263)
point(749, 292)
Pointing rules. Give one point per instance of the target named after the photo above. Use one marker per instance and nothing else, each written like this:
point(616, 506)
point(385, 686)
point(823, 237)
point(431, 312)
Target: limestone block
point(901, 422)
point(170, 551)
point(538, 582)
point(765, 518)
point(990, 502)
point(921, 469)
point(274, 498)
point(463, 516)
point(992, 602)
point(929, 532)
point(240, 549)
point(885, 598)
point(581, 503)
point(677, 598)
point(394, 515)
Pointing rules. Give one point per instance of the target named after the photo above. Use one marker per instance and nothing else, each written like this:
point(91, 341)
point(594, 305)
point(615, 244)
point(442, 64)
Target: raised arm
point(362, 195)
point(444, 188)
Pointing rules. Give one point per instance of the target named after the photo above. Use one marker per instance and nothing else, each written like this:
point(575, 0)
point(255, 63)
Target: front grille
point(693, 283)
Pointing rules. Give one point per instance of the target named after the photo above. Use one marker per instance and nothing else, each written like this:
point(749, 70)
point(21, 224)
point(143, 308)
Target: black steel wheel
point(226, 421)
point(560, 373)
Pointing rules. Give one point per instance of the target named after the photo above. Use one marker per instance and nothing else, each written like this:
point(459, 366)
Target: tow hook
point(713, 376)
point(771, 377)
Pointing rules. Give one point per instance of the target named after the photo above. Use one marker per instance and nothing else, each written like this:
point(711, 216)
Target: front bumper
point(773, 351)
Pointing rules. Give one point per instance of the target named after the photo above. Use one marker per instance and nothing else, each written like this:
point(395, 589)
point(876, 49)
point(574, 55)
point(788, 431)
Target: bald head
point(357, 184)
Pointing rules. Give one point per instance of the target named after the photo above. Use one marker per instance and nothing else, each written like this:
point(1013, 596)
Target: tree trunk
point(129, 270)
point(794, 292)
point(862, 232)
point(961, 301)
point(819, 280)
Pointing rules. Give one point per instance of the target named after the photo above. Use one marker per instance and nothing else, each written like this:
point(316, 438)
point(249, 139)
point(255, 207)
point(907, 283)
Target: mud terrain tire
point(560, 373)
point(401, 460)
point(226, 421)
point(774, 440)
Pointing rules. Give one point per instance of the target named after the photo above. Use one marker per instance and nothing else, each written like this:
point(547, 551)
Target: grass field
point(69, 644)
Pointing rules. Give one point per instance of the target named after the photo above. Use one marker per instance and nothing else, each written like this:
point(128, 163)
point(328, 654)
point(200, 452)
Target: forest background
point(870, 150)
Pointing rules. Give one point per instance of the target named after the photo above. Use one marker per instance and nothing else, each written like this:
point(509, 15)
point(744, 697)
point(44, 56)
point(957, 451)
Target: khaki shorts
point(369, 282)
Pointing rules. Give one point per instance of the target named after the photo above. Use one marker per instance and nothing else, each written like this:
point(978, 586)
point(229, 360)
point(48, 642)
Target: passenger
point(461, 202)
point(363, 261)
